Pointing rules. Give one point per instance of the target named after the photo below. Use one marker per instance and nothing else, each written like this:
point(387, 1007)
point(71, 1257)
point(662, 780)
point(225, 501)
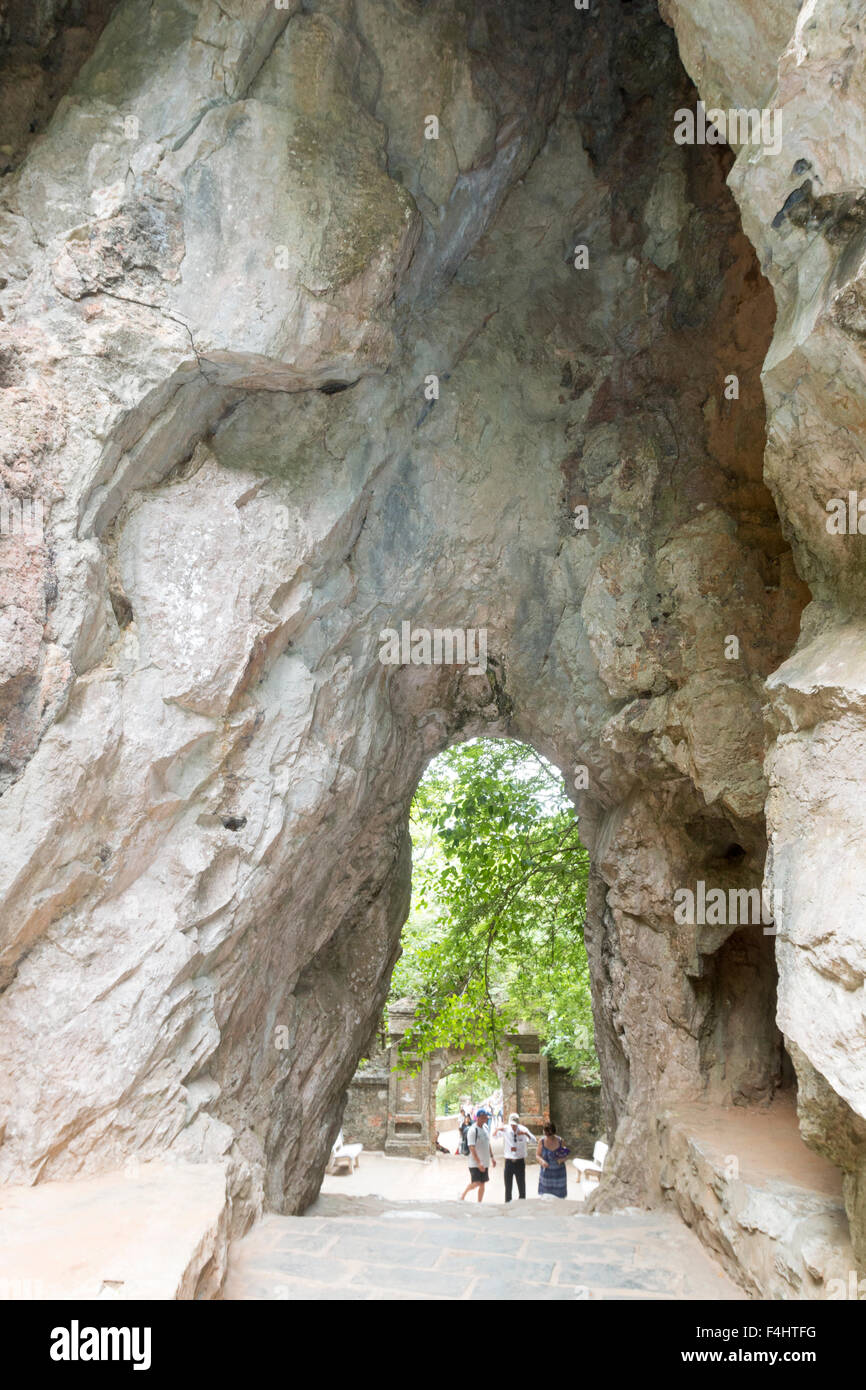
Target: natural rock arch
point(208, 771)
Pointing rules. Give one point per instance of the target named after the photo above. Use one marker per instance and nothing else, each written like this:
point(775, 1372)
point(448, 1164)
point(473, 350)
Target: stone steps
point(366, 1248)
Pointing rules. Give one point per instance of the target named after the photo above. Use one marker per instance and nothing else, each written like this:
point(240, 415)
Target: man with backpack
point(480, 1158)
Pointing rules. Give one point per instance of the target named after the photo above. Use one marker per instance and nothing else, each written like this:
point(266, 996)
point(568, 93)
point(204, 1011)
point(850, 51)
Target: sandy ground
point(769, 1143)
point(440, 1178)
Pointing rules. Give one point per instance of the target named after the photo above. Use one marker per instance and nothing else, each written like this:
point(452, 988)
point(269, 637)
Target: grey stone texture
point(456, 1252)
point(232, 214)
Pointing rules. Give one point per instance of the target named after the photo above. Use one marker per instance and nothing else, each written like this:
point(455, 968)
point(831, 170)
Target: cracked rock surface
point(233, 259)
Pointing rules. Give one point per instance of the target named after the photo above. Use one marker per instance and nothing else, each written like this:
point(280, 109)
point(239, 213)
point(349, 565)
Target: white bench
point(344, 1156)
point(591, 1169)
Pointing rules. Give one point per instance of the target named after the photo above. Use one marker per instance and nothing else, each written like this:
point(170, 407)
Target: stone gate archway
point(391, 1102)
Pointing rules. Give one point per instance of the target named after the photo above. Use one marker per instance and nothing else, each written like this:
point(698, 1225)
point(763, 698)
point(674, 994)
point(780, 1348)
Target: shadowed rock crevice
point(292, 374)
point(42, 48)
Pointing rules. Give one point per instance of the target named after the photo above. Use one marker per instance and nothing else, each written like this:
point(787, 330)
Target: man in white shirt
point(514, 1146)
point(480, 1157)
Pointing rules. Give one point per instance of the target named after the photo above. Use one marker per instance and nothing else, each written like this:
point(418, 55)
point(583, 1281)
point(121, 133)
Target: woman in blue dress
point(552, 1176)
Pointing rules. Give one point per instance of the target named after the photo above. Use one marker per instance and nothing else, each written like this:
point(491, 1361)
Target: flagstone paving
point(367, 1248)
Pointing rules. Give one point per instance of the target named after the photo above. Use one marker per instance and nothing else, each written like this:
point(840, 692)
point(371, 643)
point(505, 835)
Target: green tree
point(495, 933)
point(473, 1078)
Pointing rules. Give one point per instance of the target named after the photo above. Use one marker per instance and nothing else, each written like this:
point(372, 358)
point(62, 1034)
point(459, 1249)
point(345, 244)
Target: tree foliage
point(495, 933)
point(473, 1078)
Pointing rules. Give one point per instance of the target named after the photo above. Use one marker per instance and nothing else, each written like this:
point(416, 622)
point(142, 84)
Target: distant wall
point(576, 1112)
point(365, 1119)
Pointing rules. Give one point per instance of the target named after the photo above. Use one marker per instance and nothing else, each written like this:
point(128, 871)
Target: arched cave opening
point(724, 1049)
point(303, 381)
point(493, 980)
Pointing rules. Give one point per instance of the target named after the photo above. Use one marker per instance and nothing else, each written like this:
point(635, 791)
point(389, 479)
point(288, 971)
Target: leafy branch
point(496, 927)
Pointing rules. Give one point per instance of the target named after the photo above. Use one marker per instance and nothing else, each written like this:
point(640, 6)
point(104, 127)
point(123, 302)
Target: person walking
point(514, 1149)
point(480, 1158)
point(552, 1154)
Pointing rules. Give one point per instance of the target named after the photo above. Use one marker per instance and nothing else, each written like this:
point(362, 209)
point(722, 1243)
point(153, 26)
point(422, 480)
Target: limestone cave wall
point(233, 263)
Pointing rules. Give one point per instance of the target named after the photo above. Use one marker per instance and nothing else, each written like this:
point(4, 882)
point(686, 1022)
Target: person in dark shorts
point(480, 1158)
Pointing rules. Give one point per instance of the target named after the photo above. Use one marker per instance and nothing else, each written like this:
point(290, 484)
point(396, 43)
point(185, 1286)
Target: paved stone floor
point(368, 1248)
point(439, 1178)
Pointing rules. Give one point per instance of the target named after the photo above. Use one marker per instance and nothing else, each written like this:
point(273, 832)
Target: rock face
point(235, 264)
point(802, 210)
point(149, 1231)
point(770, 1209)
point(42, 48)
